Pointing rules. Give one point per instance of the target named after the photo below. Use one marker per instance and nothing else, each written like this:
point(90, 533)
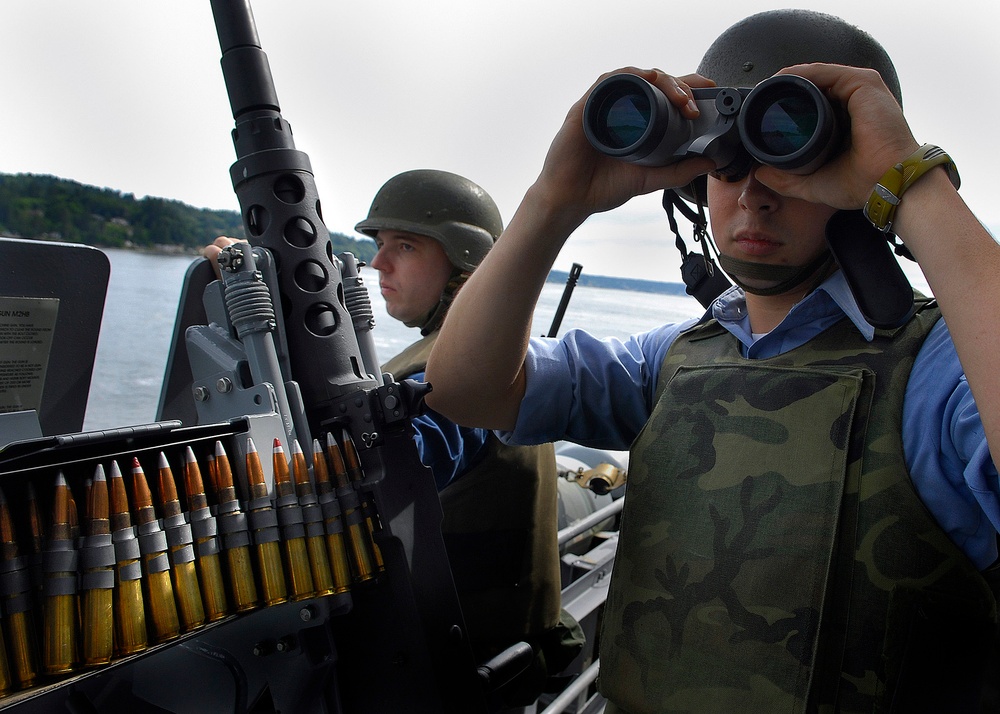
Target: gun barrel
point(244, 64)
point(281, 209)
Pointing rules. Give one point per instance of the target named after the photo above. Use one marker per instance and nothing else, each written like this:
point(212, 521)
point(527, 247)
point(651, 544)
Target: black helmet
point(447, 207)
point(755, 48)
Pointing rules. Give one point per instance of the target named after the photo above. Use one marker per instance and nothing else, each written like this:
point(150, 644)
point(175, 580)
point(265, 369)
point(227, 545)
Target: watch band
point(882, 204)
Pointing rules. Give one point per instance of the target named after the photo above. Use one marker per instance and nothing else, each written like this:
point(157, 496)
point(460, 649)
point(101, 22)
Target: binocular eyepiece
point(785, 122)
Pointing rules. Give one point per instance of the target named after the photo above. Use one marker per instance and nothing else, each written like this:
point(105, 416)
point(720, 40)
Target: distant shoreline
point(160, 249)
point(555, 276)
point(616, 283)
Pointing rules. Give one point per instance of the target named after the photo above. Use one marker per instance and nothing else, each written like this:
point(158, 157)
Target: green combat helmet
point(447, 207)
point(755, 48)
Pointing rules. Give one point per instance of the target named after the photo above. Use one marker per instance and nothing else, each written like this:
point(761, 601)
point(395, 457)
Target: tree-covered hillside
point(49, 208)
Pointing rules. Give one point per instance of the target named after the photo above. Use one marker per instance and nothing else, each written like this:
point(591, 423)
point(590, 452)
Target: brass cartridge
point(129, 605)
point(293, 530)
point(74, 532)
point(59, 565)
point(97, 561)
point(74, 517)
point(36, 539)
point(264, 532)
point(367, 505)
point(333, 522)
point(235, 536)
point(213, 469)
point(180, 542)
point(358, 537)
point(312, 518)
point(206, 541)
point(16, 591)
point(156, 563)
point(6, 683)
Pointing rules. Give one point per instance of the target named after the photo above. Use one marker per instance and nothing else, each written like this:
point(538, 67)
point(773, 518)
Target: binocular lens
point(785, 122)
point(787, 125)
point(622, 119)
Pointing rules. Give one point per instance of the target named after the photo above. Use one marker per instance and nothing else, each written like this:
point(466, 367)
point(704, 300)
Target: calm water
point(140, 311)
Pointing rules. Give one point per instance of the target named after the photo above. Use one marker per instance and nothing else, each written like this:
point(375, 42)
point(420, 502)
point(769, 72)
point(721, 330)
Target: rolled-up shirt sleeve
point(595, 392)
point(449, 450)
point(946, 450)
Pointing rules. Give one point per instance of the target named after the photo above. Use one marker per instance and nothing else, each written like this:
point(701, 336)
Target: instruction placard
point(26, 330)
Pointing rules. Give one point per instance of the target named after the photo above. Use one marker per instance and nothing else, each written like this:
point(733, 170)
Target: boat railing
point(573, 530)
point(586, 578)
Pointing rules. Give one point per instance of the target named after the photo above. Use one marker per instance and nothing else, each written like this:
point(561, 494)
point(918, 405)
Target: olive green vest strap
point(411, 360)
point(500, 524)
point(773, 554)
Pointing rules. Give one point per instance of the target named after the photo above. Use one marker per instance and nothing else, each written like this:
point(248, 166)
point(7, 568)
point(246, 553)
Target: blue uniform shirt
point(600, 393)
point(449, 450)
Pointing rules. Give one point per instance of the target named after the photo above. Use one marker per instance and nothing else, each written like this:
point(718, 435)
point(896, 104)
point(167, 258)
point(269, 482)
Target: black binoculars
point(785, 122)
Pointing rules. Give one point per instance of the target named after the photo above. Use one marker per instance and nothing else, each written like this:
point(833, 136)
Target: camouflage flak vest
point(500, 524)
point(774, 556)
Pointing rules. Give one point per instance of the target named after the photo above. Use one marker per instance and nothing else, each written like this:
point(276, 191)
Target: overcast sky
point(128, 94)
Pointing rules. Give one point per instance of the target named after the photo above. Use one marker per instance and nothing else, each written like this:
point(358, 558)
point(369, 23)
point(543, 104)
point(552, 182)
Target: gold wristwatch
point(885, 198)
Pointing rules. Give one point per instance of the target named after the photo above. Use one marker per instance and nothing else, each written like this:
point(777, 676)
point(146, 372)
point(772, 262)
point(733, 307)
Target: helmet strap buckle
point(703, 279)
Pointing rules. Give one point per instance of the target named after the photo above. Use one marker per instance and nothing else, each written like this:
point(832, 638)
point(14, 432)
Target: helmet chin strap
point(701, 275)
point(781, 278)
point(875, 278)
point(878, 283)
point(861, 251)
point(432, 319)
